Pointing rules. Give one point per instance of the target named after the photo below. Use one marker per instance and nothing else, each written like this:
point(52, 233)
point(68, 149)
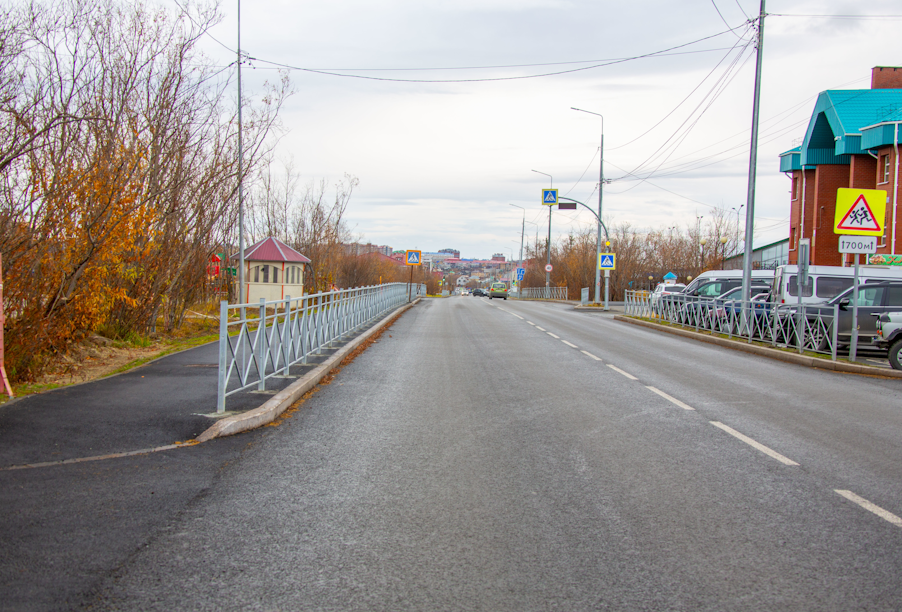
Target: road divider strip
point(670, 399)
point(569, 344)
point(627, 374)
point(871, 507)
point(588, 354)
point(767, 451)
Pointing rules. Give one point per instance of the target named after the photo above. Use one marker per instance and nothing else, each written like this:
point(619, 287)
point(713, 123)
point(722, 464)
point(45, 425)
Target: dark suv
point(874, 299)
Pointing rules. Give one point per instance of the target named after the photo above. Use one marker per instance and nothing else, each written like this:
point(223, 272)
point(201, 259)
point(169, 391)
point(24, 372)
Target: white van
point(712, 275)
point(825, 282)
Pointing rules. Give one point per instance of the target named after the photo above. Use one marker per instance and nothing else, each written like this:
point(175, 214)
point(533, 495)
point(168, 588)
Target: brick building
point(852, 141)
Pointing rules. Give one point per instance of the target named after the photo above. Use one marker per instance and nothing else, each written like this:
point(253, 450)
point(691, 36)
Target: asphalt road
point(490, 455)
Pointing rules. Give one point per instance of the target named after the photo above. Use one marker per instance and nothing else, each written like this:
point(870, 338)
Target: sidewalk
point(164, 402)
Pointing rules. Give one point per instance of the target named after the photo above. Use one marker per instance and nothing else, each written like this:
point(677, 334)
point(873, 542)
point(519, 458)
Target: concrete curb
point(280, 402)
point(803, 360)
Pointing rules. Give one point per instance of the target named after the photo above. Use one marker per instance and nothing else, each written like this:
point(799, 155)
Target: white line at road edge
point(752, 443)
point(540, 328)
point(588, 354)
point(884, 514)
point(627, 374)
point(568, 344)
point(671, 399)
point(553, 336)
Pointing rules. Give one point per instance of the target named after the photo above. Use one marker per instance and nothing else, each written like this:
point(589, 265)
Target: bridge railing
point(542, 293)
point(263, 340)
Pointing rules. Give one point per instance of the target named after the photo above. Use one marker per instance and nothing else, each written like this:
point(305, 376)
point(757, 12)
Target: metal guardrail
point(266, 339)
point(805, 327)
point(542, 293)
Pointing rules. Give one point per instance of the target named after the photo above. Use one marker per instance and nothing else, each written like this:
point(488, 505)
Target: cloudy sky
point(439, 163)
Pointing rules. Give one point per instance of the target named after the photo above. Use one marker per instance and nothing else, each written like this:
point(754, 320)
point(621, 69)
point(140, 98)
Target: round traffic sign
point(548, 268)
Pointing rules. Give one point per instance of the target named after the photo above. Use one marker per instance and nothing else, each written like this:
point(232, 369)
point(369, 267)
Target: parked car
point(889, 336)
point(712, 307)
point(701, 284)
point(498, 290)
point(661, 290)
point(874, 299)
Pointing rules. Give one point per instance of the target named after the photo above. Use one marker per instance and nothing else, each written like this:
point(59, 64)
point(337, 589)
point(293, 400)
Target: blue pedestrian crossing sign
point(413, 258)
point(521, 272)
point(549, 197)
point(607, 261)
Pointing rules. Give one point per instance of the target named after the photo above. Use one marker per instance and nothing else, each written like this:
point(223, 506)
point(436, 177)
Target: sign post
point(412, 258)
point(859, 212)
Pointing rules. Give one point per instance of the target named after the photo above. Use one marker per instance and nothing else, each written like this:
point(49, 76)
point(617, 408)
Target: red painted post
point(6, 387)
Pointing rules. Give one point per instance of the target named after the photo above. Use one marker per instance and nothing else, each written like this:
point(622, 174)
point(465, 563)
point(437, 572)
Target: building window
point(265, 274)
point(795, 188)
point(275, 274)
point(792, 240)
point(256, 274)
point(885, 164)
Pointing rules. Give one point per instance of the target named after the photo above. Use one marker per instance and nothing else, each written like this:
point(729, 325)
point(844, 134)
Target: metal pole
point(600, 190)
point(242, 290)
point(853, 348)
point(753, 163)
point(548, 244)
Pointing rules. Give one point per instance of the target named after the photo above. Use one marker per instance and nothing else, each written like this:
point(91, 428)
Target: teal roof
point(835, 130)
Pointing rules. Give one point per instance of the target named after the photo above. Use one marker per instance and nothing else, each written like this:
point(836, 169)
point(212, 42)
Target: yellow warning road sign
point(860, 212)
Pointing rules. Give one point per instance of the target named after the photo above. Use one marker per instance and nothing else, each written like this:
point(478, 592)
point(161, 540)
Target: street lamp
point(701, 250)
point(522, 233)
point(548, 263)
point(723, 251)
point(600, 186)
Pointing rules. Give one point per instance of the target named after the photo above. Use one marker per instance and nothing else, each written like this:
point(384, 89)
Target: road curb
point(280, 402)
point(803, 360)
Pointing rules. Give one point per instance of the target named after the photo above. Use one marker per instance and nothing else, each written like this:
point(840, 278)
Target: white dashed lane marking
point(871, 507)
point(627, 374)
point(553, 336)
point(540, 328)
point(767, 451)
point(671, 399)
point(588, 354)
point(568, 344)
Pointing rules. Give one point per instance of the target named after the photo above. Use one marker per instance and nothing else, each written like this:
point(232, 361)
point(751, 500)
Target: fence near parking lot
point(805, 327)
point(264, 340)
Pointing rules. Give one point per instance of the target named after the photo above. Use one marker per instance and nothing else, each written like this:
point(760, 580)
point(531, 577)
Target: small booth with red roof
point(273, 270)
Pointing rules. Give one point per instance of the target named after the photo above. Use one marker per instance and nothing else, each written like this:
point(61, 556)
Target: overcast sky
point(439, 163)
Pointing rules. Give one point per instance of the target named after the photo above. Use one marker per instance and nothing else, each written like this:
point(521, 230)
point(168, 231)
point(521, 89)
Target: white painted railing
point(265, 339)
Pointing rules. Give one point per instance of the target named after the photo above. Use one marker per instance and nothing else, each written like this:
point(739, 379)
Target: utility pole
point(598, 237)
point(242, 290)
point(753, 163)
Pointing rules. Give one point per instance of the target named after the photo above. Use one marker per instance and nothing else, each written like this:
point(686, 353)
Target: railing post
point(835, 333)
point(261, 346)
point(223, 355)
point(286, 336)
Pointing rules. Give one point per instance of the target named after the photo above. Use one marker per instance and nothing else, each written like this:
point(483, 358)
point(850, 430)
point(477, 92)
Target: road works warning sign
point(860, 212)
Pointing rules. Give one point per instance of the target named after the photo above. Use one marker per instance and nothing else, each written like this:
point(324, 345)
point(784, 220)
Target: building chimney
point(886, 77)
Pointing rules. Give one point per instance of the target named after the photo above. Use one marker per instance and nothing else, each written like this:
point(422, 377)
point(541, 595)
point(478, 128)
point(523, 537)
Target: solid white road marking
point(568, 344)
point(627, 374)
point(884, 514)
point(588, 354)
point(754, 444)
point(671, 399)
point(540, 328)
point(553, 336)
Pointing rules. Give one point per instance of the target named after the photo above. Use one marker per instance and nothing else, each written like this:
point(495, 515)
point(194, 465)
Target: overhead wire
point(491, 79)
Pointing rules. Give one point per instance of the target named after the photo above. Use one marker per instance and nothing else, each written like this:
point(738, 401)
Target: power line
point(493, 79)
